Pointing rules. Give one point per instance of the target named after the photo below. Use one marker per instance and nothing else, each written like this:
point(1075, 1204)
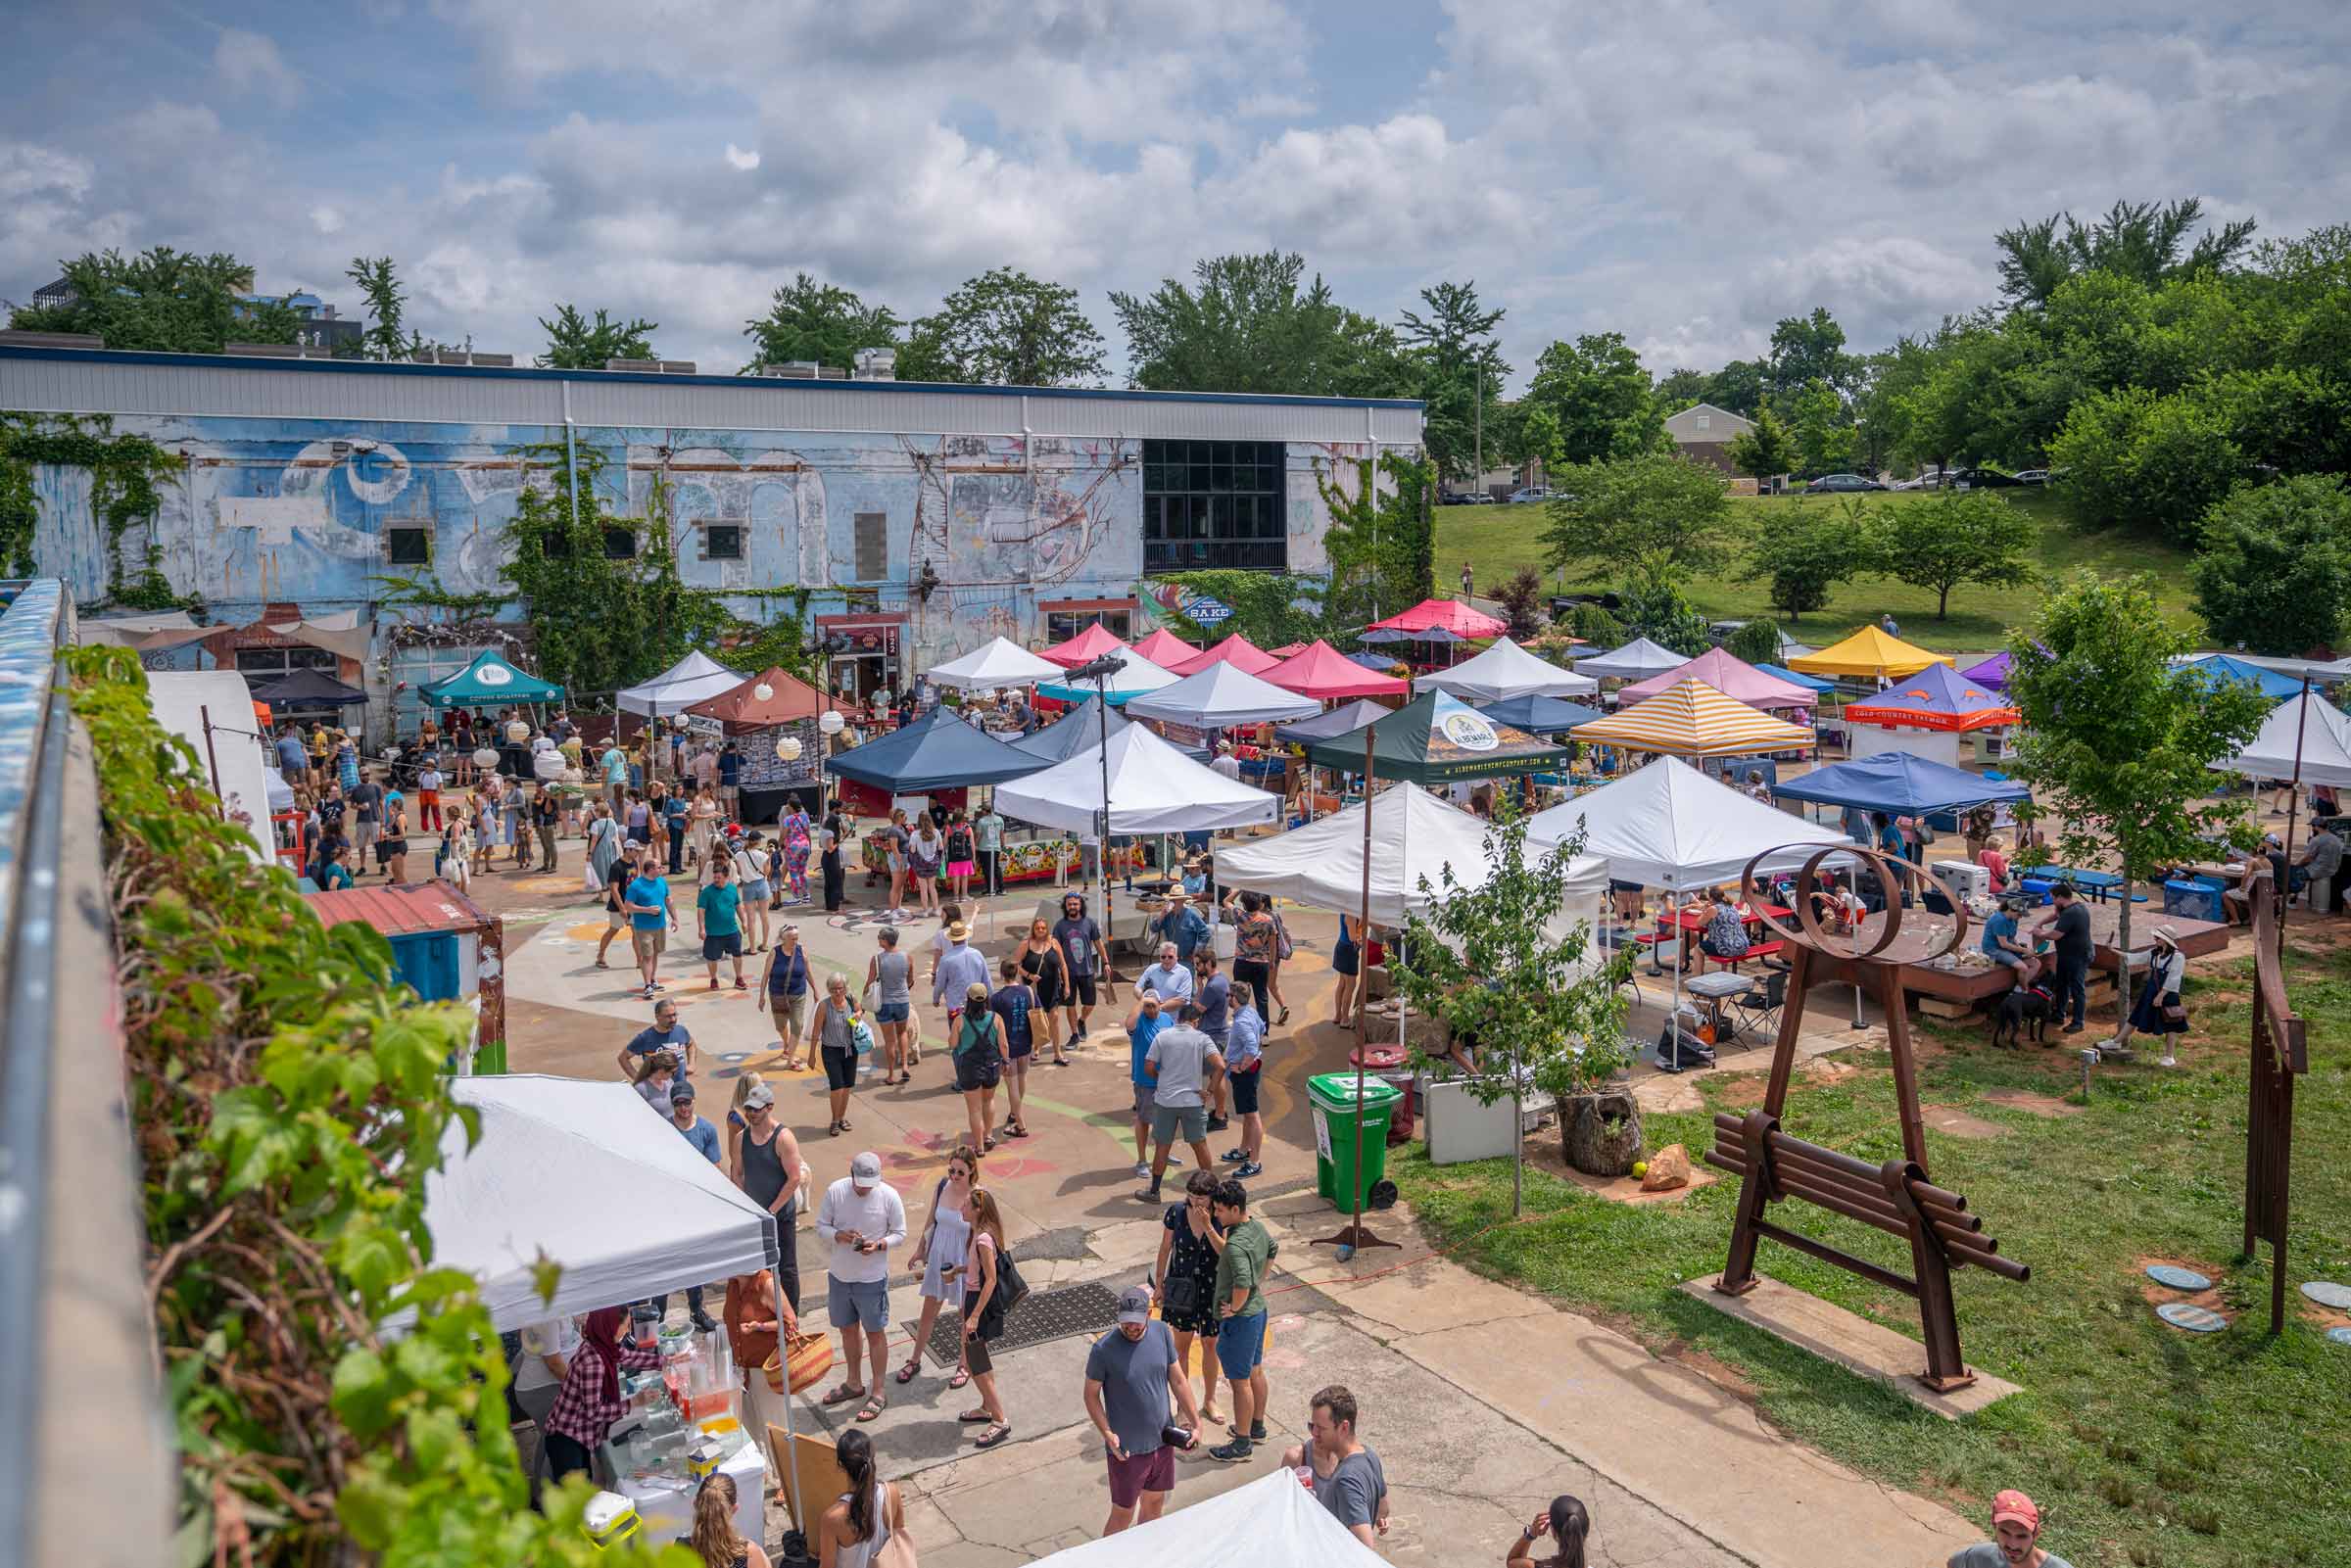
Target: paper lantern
point(763, 691)
point(485, 758)
point(788, 748)
point(831, 722)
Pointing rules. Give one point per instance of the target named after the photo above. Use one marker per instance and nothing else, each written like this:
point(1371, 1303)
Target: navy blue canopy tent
point(1900, 785)
point(1342, 720)
point(937, 751)
point(1373, 661)
point(1540, 714)
point(1074, 732)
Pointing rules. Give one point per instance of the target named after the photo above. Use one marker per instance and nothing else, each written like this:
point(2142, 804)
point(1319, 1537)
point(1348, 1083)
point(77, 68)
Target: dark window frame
point(1210, 505)
point(1061, 625)
point(614, 538)
point(423, 537)
point(873, 551)
point(731, 534)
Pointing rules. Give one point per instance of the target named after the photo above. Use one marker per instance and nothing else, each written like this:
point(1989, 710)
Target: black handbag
point(1185, 1296)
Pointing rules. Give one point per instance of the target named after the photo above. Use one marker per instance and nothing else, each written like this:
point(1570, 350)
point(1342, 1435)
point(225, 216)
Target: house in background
point(1703, 432)
point(50, 296)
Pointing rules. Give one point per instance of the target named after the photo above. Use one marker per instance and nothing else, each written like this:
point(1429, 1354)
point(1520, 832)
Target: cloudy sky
point(1684, 171)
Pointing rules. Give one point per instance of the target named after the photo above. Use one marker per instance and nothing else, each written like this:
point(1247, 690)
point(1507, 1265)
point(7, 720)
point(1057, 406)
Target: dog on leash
point(2024, 1008)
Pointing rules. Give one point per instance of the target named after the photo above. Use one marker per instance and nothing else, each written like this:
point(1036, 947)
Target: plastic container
point(1331, 1095)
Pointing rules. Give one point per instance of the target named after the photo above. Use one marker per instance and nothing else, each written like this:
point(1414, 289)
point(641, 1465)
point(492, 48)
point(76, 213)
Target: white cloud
point(744, 161)
point(326, 219)
point(250, 65)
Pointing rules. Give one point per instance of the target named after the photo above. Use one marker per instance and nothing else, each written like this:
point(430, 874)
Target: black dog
point(2024, 1007)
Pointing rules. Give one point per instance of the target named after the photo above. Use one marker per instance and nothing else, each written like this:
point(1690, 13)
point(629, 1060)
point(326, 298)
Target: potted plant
point(1494, 965)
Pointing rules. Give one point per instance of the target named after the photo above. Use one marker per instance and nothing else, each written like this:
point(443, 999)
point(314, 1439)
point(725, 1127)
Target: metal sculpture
point(2280, 1053)
point(1868, 951)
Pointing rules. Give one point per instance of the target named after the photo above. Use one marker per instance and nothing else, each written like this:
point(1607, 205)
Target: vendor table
point(2100, 886)
point(665, 1504)
point(1714, 990)
point(1694, 921)
point(1028, 861)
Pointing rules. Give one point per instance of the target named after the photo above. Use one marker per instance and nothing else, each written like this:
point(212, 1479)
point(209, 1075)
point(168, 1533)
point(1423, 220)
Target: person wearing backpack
point(990, 1286)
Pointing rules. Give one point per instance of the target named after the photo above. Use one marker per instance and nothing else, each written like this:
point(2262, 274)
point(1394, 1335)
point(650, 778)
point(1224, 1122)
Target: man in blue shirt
point(1244, 1050)
point(666, 1034)
point(730, 779)
point(650, 921)
point(1183, 926)
point(1213, 990)
point(1142, 1027)
point(704, 1137)
point(1168, 977)
point(292, 760)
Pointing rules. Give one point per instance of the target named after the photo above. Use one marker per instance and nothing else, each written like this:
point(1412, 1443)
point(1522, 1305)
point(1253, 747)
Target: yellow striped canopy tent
point(1692, 718)
point(1868, 651)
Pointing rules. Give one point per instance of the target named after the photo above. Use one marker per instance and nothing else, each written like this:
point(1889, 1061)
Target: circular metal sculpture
point(1903, 935)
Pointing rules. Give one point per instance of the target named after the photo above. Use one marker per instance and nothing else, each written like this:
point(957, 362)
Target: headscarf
point(601, 1335)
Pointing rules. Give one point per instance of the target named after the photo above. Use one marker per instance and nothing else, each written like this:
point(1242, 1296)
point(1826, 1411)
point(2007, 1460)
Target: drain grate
point(1052, 1314)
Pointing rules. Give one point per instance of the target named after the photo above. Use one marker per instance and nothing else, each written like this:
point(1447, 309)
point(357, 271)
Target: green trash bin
point(1333, 1097)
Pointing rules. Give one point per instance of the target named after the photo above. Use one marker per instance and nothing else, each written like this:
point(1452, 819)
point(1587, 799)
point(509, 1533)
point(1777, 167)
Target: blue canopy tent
point(1540, 714)
point(1373, 661)
point(937, 751)
point(1074, 731)
point(1345, 719)
point(1811, 683)
point(1901, 786)
point(2215, 668)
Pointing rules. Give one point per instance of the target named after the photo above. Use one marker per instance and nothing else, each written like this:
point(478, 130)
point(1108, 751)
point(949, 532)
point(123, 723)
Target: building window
point(620, 545)
point(861, 600)
point(1215, 504)
point(1705, 421)
point(409, 547)
point(872, 546)
point(1061, 625)
point(722, 541)
point(554, 544)
point(269, 663)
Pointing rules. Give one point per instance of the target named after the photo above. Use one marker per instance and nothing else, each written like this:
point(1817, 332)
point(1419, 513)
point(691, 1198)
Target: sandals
point(872, 1409)
point(987, 1144)
point(1285, 1015)
point(974, 1417)
point(906, 1372)
point(994, 1435)
point(963, 1376)
point(841, 1396)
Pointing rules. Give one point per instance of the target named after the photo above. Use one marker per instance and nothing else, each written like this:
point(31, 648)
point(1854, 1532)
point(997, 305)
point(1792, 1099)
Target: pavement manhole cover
point(2196, 1319)
point(2178, 1278)
point(2329, 1294)
point(1054, 1314)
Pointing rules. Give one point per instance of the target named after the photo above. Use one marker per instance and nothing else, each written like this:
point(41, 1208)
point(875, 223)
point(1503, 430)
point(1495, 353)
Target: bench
point(1894, 1196)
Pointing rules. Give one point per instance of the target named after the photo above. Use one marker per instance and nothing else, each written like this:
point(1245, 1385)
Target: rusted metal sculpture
point(1896, 1196)
point(2278, 1054)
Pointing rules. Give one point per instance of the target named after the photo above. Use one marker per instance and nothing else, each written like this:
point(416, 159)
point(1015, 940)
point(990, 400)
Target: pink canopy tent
point(1087, 646)
point(1287, 650)
point(1166, 649)
point(1449, 616)
point(1733, 678)
point(1322, 671)
point(1237, 651)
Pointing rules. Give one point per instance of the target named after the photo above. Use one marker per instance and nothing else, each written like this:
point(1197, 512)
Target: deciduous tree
point(1800, 556)
point(1657, 507)
point(1006, 328)
point(387, 301)
point(807, 319)
point(1597, 391)
point(2275, 576)
point(162, 301)
point(1958, 536)
point(1805, 349)
point(1821, 429)
point(1766, 451)
point(1460, 372)
point(1249, 323)
point(2135, 459)
point(575, 343)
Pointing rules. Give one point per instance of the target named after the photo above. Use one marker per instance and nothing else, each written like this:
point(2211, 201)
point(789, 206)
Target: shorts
point(892, 1012)
point(646, 943)
point(1080, 992)
point(1138, 1473)
point(1241, 1345)
point(1167, 1120)
point(1345, 958)
point(757, 891)
point(614, 920)
point(716, 947)
point(960, 868)
point(1020, 1049)
point(976, 1071)
point(2014, 960)
point(840, 1067)
point(865, 1302)
point(1244, 1092)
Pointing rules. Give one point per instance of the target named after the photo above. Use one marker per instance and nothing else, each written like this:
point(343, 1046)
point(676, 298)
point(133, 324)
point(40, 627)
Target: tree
point(1533, 436)
point(1678, 389)
point(386, 300)
point(1599, 394)
point(1805, 349)
point(1649, 604)
point(1460, 370)
point(1247, 324)
point(2117, 739)
point(1380, 543)
point(1006, 328)
point(1755, 642)
point(1737, 388)
point(162, 301)
point(821, 322)
point(1766, 451)
point(1522, 601)
point(1604, 514)
point(2138, 458)
point(2135, 239)
point(1491, 962)
point(1959, 536)
point(1802, 557)
point(2274, 575)
point(1821, 431)
point(574, 343)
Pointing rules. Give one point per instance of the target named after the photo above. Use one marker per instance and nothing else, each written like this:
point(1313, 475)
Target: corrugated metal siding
point(106, 384)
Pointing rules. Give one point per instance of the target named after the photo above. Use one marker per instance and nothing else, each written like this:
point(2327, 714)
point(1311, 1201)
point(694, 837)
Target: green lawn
point(1499, 540)
point(2144, 1445)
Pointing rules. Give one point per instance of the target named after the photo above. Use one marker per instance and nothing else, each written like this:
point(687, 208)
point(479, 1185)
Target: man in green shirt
point(1241, 1304)
point(719, 907)
point(987, 830)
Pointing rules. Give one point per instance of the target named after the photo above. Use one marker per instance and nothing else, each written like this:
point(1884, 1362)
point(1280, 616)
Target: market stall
point(1635, 660)
point(1437, 738)
point(1543, 716)
point(1690, 719)
point(1164, 648)
point(1810, 683)
point(490, 679)
point(1235, 649)
point(1925, 713)
point(1321, 671)
point(2212, 670)
point(1084, 648)
point(1336, 721)
point(1731, 676)
point(1079, 727)
point(995, 664)
point(938, 754)
point(1136, 676)
point(1992, 672)
point(1505, 670)
point(1871, 653)
point(1902, 784)
point(1436, 620)
point(1148, 785)
point(1222, 695)
point(691, 680)
point(2307, 737)
point(1272, 1522)
point(777, 722)
point(212, 711)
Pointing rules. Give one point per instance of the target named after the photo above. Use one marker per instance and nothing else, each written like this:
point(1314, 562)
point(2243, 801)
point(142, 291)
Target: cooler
point(1331, 1095)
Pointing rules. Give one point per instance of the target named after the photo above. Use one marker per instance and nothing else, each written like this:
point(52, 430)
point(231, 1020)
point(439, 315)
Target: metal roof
point(403, 911)
point(55, 380)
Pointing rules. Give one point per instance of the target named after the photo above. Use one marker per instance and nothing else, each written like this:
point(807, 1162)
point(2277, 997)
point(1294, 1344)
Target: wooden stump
point(1599, 1134)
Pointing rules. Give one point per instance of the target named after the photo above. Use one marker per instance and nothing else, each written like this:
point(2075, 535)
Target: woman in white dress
point(944, 1241)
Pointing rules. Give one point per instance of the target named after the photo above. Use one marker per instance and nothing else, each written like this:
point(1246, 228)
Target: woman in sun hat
point(2157, 1009)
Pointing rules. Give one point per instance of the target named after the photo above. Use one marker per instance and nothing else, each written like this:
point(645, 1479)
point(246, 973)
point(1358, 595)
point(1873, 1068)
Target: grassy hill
point(1499, 540)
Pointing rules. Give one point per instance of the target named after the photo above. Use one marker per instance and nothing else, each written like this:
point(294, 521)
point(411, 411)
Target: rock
point(1668, 1169)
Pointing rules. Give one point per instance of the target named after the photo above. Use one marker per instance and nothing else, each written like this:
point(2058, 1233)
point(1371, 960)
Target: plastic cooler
point(1331, 1095)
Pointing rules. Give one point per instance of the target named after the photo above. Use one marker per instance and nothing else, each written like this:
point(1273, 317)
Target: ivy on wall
point(124, 471)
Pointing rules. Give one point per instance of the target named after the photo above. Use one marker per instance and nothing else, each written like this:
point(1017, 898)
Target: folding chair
point(1758, 1008)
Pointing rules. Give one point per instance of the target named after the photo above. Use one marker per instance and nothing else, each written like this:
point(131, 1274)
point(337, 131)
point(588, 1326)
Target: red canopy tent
point(741, 707)
point(1164, 648)
point(1434, 615)
point(1087, 646)
point(1322, 671)
point(1237, 651)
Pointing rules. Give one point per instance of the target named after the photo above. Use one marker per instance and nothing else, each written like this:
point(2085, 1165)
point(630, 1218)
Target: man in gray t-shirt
point(1129, 1376)
point(1183, 1064)
point(1348, 1478)
point(2016, 1539)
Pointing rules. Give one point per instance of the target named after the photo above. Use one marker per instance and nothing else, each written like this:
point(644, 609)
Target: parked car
point(1929, 480)
point(1842, 483)
point(2033, 476)
point(1459, 497)
point(1981, 479)
point(1532, 492)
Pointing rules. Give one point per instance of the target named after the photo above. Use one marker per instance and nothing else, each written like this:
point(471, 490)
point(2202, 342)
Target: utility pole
point(1478, 422)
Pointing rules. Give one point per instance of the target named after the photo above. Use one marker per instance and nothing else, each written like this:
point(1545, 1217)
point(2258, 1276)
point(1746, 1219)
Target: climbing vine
point(288, 1103)
point(123, 473)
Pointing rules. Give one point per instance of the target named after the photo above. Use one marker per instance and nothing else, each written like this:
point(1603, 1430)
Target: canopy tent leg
point(1357, 1235)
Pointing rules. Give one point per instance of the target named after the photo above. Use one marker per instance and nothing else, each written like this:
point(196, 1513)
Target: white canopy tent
point(1414, 835)
point(1153, 789)
point(696, 678)
point(661, 1216)
point(1136, 676)
point(1637, 660)
point(232, 759)
point(2323, 732)
point(999, 662)
point(1505, 671)
point(1220, 697)
point(1272, 1522)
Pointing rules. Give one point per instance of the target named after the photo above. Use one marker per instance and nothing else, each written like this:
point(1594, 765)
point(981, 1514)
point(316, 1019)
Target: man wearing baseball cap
point(861, 1219)
point(696, 1130)
point(1131, 1377)
point(2015, 1538)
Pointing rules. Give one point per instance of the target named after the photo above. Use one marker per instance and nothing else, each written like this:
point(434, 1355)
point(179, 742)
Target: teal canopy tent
point(492, 680)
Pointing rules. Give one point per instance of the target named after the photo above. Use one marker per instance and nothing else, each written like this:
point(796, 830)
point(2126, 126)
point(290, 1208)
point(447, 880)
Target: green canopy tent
point(1437, 738)
point(492, 680)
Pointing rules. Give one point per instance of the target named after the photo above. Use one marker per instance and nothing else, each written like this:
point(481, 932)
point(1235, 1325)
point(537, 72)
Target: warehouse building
point(921, 519)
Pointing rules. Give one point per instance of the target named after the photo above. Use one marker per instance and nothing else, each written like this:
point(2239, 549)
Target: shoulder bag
point(1281, 938)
